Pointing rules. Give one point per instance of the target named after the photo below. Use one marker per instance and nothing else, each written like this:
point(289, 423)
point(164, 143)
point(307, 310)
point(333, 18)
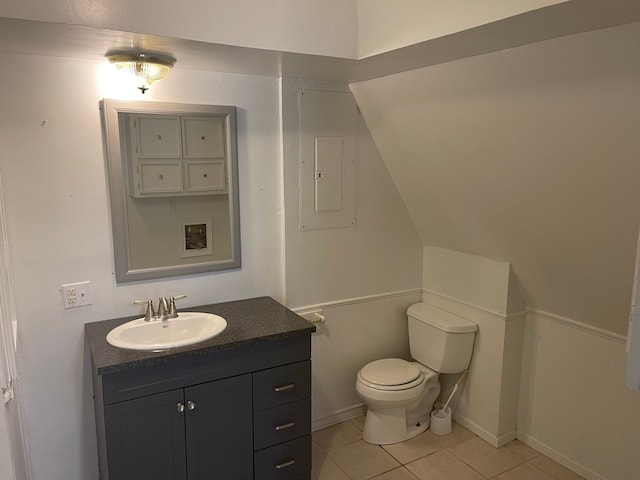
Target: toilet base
point(389, 426)
point(388, 422)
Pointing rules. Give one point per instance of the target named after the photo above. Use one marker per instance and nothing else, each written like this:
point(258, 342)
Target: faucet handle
point(173, 311)
point(150, 312)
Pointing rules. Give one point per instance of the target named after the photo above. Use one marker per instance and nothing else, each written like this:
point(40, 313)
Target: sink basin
point(187, 329)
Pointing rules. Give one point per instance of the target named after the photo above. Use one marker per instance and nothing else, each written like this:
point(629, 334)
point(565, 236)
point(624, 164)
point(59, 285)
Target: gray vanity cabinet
point(242, 413)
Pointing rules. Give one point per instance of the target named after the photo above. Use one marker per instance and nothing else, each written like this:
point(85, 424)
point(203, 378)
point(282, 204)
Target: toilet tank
point(439, 339)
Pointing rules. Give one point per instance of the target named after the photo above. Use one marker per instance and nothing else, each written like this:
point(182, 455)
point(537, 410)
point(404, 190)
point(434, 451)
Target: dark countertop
point(251, 321)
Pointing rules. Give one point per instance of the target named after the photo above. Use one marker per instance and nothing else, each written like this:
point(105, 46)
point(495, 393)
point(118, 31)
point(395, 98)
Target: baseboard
point(338, 417)
point(559, 457)
point(483, 434)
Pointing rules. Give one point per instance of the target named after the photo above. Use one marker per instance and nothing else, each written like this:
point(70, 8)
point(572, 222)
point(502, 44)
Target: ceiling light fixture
point(147, 68)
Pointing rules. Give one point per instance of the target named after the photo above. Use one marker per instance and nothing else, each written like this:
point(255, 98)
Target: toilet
point(400, 394)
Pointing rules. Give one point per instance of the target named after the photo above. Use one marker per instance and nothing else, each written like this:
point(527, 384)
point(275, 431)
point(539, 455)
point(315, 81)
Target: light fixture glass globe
point(145, 68)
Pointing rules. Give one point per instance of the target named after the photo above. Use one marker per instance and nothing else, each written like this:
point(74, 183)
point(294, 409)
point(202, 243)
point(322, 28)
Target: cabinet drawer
point(281, 385)
point(281, 424)
point(288, 460)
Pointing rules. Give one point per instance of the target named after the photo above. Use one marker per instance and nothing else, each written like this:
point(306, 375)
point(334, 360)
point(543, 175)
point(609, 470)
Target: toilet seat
point(391, 374)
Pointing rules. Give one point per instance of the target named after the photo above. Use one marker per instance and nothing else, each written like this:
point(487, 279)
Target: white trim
point(355, 300)
point(609, 335)
point(473, 427)
point(502, 315)
point(338, 417)
point(559, 457)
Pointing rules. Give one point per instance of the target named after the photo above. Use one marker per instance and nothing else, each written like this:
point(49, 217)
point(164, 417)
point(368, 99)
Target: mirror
point(173, 177)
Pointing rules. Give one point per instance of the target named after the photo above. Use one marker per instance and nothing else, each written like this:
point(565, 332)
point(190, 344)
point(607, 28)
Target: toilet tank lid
point(441, 319)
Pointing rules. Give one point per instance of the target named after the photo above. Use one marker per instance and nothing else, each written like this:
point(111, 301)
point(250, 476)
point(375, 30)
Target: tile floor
point(339, 453)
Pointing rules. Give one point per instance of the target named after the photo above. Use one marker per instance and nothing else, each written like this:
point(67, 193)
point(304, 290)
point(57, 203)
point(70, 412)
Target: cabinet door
point(159, 177)
point(220, 430)
point(159, 136)
point(203, 137)
point(205, 176)
point(145, 438)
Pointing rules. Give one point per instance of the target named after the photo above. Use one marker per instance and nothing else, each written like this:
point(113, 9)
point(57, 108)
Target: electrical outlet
point(76, 294)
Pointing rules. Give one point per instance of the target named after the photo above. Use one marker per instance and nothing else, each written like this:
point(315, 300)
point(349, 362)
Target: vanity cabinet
point(199, 432)
point(175, 155)
point(241, 413)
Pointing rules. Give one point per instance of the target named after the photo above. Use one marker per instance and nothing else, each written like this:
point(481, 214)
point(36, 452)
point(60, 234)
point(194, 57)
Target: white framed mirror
point(173, 185)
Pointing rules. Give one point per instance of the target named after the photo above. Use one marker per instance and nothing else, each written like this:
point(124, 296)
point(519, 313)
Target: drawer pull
point(286, 464)
point(284, 388)
point(284, 426)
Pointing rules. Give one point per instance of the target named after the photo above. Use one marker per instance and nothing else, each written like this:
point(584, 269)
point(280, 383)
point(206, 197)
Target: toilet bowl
point(399, 396)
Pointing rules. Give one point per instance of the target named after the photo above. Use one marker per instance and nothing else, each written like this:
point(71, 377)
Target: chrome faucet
point(163, 309)
point(166, 308)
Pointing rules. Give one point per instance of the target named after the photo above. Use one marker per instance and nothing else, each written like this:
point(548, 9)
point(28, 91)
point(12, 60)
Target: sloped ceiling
point(529, 155)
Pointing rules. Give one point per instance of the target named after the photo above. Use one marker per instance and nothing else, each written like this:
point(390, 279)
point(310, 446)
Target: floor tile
point(525, 471)
point(362, 461)
point(397, 474)
point(337, 436)
point(413, 449)
point(442, 465)
point(520, 449)
point(458, 435)
point(554, 469)
point(491, 461)
point(359, 422)
point(324, 468)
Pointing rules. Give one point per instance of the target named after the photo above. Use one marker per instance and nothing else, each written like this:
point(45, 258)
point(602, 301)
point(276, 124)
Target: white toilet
point(399, 394)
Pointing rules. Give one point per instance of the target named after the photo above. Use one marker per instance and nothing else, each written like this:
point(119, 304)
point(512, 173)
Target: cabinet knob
point(179, 407)
point(159, 137)
point(204, 175)
point(160, 176)
point(191, 405)
point(204, 138)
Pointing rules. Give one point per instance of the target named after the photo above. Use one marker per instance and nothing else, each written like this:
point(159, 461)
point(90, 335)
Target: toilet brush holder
point(441, 421)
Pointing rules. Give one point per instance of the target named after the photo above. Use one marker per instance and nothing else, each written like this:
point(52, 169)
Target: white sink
point(187, 329)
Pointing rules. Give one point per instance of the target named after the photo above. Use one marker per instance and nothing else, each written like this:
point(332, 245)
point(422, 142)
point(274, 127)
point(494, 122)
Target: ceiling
point(76, 41)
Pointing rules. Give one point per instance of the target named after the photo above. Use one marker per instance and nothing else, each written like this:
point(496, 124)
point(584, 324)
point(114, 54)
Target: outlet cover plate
point(76, 294)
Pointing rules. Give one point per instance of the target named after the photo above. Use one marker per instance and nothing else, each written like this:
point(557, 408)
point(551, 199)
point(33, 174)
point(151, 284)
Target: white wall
point(528, 155)
point(323, 27)
point(377, 258)
point(574, 406)
point(384, 25)
point(483, 291)
point(55, 192)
